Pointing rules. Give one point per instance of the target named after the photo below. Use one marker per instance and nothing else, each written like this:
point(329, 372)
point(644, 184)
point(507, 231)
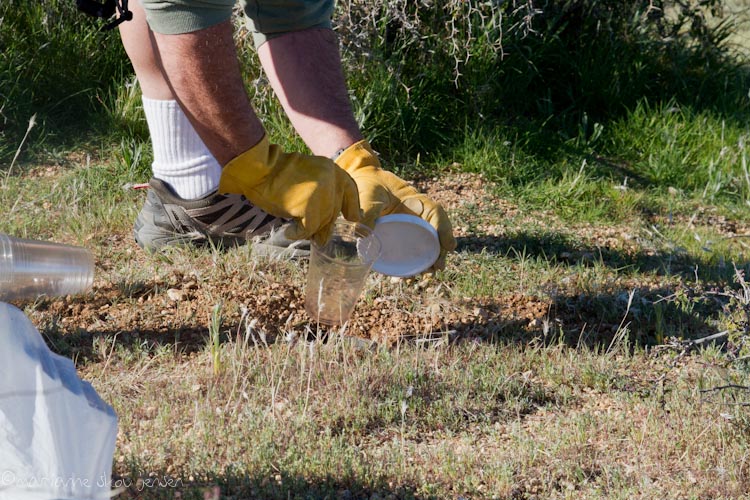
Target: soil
point(174, 307)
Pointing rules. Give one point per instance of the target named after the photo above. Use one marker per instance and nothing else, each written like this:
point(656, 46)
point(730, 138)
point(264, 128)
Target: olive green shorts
point(265, 18)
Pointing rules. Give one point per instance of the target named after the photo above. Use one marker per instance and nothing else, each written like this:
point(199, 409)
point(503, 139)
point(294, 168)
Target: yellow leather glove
point(382, 193)
point(310, 189)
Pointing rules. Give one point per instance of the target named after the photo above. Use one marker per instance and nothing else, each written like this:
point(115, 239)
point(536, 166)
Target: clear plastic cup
point(338, 271)
point(29, 268)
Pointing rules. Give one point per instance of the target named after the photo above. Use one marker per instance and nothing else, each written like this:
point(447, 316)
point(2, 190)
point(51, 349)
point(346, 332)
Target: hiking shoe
point(222, 220)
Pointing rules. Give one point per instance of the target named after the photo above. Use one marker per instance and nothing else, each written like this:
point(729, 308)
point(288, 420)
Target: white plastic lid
point(410, 245)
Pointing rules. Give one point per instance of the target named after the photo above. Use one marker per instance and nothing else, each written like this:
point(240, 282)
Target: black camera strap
point(106, 10)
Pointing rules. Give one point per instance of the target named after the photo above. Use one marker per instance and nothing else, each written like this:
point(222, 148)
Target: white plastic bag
point(57, 436)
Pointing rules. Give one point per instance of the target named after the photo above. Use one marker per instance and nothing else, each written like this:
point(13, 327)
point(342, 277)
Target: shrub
point(421, 70)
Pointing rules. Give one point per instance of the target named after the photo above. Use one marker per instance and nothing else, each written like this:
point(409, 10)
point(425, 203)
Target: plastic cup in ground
point(338, 271)
point(29, 268)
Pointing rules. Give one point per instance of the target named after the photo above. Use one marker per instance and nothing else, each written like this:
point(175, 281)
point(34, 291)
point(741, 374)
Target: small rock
point(175, 295)
point(480, 312)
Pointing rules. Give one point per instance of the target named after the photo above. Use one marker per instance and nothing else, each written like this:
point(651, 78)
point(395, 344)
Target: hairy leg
point(304, 68)
point(209, 87)
point(181, 159)
point(204, 74)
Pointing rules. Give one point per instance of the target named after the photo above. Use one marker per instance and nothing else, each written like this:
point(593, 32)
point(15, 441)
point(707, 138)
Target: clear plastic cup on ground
point(30, 268)
point(338, 271)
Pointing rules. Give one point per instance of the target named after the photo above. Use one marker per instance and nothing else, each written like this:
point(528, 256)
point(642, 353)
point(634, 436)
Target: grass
point(476, 420)
point(520, 407)
point(601, 232)
point(40, 74)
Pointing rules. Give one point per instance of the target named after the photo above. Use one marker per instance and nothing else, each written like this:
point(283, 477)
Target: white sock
point(181, 159)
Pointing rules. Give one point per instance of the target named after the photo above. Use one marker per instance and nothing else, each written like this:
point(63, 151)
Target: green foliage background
point(424, 70)
point(55, 64)
point(422, 74)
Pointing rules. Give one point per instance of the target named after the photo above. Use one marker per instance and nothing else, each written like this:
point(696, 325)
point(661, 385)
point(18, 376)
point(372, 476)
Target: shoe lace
point(235, 215)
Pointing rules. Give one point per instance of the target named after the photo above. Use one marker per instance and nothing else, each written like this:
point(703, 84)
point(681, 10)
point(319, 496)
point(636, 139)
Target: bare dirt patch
point(171, 300)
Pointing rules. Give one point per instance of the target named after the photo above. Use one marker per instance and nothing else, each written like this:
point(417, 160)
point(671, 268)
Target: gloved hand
point(310, 189)
point(382, 193)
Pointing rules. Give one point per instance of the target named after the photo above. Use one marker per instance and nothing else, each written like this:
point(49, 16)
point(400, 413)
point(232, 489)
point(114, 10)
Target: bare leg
point(181, 158)
point(208, 87)
point(204, 74)
point(141, 49)
point(304, 69)
point(321, 113)
point(200, 70)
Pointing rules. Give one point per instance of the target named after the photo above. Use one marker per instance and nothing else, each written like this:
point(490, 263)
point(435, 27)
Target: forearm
point(304, 69)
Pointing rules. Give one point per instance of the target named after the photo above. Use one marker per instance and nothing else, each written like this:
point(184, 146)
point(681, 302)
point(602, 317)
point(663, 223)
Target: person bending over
point(215, 174)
